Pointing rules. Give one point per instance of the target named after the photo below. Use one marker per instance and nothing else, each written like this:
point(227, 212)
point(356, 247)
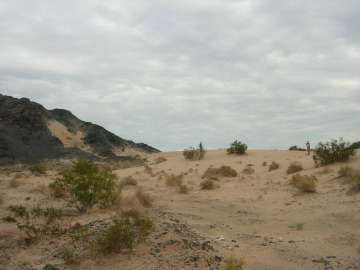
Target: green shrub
point(121, 234)
point(273, 166)
point(237, 148)
point(194, 154)
point(355, 145)
point(331, 152)
point(233, 263)
point(34, 222)
point(87, 185)
point(207, 184)
point(38, 169)
point(294, 167)
point(264, 163)
point(304, 183)
point(295, 148)
point(298, 225)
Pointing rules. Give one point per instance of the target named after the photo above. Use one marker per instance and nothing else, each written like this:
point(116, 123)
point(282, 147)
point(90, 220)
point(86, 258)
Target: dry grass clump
point(13, 183)
point(39, 189)
point(294, 167)
point(183, 189)
point(207, 184)
point(129, 181)
point(144, 198)
point(233, 263)
point(304, 183)
point(273, 166)
point(159, 160)
point(224, 170)
point(148, 170)
point(173, 181)
point(248, 169)
point(351, 176)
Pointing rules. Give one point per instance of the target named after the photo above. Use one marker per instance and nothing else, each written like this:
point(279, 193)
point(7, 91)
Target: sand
point(251, 216)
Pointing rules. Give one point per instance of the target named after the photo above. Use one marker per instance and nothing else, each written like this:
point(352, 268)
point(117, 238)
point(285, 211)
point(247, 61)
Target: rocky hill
point(29, 133)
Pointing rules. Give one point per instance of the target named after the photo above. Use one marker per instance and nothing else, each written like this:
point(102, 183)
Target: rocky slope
point(25, 135)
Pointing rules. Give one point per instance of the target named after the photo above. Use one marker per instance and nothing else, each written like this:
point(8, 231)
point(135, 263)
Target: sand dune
point(250, 215)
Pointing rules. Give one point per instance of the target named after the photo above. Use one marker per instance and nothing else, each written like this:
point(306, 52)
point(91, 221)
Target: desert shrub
point(174, 181)
point(355, 145)
point(34, 222)
point(159, 160)
point(148, 170)
point(68, 255)
point(273, 166)
point(207, 184)
point(294, 167)
point(237, 148)
point(87, 185)
point(194, 154)
point(331, 152)
point(144, 198)
point(295, 148)
point(298, 225)
point(248, 170)
point(233, 263)
point(38, 169)
point(13, 183)
point(352, 176)
point(122, 233)
point(304, 183)
point(264, 163)
point(183, 189)
point(129, 181)
point(224, 170)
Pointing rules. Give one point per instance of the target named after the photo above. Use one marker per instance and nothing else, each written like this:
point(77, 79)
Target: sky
point(171, 74)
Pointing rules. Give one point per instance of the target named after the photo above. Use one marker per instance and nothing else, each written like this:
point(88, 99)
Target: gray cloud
point(172, 74)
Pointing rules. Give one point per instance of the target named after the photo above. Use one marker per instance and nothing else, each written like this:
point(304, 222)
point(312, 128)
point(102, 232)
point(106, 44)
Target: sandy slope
point(250, 213)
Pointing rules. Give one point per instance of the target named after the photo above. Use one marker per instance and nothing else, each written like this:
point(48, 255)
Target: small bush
point(355, 145)
point(237, 148)
point(295, 148)
point(294, 167)
point(224, 170)
point(34, 222)
point(264, 163)
point(248, 170)
point(183, 189)
point(273, 166)
point(144, 198)
point(304, 183)
point(14, 183)
point(207, 184)
point(352, 176)
point(86, 185)
point(129, 181)
point(159, 160)
point(233, 263)
point(69, 256)
point(298, 225)
point(38, 169)
point(194, 154)
point(331, 152)
point(173, 180)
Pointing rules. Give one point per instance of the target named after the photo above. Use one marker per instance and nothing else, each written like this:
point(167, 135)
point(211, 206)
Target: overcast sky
point(271, 74)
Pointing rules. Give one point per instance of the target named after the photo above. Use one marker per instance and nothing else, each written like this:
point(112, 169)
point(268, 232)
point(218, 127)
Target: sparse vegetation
point(294, 167)
point(264, 163)
point(37, 169)
point(129, 181)
point(233, 263)
point(174, 181)
point(248, 170)
point(351, 176)
point(183, 189)
point(194, 154)
point(159, 160)
point(34, 222)
point(86, 185)
point(331, 152)
point(295, 148)
point(207, 184)
point(69, 256)
point(298, 225)
point(13, 183)
point(237, 148)
point(224, 170)
point(273, 166)
point(304, 183)
point(144, 198)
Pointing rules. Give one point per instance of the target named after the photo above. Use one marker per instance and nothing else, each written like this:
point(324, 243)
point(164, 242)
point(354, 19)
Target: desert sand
point(250, 216)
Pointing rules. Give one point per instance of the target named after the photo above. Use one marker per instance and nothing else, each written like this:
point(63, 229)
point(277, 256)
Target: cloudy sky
point(271, 74)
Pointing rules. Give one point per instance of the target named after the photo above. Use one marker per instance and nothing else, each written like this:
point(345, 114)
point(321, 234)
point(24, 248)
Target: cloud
point(172, 74)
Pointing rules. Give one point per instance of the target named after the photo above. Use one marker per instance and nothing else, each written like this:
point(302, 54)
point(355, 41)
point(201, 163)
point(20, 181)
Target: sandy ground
point(250, 216)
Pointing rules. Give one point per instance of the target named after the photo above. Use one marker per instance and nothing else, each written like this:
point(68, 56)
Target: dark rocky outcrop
point(25, 136)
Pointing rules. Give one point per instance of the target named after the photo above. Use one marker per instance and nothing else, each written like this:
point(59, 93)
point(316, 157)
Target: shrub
point(14, 183)
point(224, 170)
point(304, 183)
point(173, 180)
point(86, 185)
point(355, 145)
point(38, 169)
point(331, 152)
point(33, 222)
point(298, 225)
point(352, 176)
point(264, 163)
point(248, 170)
point(273, 166)
point(129, 181)
point(233, 263)
point(237, 148)
point(144, 198)
point(194, 154)
point(159, 160)
point(295, 148)
point(207, 184)
point(121, 234)
point(183, 189)
point(294, 167)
